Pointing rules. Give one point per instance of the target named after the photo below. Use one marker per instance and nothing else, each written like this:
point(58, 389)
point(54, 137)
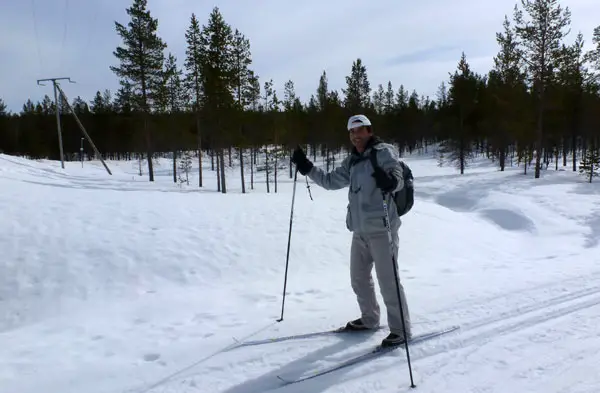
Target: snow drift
point(115, 284)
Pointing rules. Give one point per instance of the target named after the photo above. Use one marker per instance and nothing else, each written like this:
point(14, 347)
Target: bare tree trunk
point(252, 168)
point(242, 170)
point(149, 149)
point(218, 171)
point(462, 144)
point(564, 151)
point(223, 186)
point(267, 167)
point(593, 157)
point(574, 147)
point(539, 129)
point(199, 136)
point(175, 165)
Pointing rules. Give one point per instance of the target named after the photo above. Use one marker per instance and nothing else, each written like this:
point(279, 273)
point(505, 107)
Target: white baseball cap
point(358, 121)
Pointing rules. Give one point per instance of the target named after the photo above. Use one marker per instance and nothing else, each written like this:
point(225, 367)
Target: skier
point(370, 243)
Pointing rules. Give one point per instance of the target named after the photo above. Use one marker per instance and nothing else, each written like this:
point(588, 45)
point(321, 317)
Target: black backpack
point(405, 198)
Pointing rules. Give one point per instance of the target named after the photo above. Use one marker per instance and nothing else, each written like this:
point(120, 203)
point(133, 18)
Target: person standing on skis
point(370, 242)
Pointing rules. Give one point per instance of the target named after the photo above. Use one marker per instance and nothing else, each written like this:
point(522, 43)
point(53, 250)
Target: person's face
point(359, 136)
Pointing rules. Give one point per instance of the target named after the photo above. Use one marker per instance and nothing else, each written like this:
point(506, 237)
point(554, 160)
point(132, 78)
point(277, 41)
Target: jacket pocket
point(373, 213)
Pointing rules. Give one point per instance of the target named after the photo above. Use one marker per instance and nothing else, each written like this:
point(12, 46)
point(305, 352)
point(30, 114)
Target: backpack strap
point(355, 160)
point(373, 157)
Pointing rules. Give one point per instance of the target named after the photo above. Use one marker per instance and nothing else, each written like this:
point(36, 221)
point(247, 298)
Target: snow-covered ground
point(114, 284)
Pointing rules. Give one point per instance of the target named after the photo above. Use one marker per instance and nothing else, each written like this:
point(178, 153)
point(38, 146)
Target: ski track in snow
point(115, 284)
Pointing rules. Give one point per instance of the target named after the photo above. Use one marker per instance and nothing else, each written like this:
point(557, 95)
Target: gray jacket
point(365, 201)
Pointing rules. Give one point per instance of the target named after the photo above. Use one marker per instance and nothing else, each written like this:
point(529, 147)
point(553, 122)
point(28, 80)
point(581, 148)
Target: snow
point(115, 284)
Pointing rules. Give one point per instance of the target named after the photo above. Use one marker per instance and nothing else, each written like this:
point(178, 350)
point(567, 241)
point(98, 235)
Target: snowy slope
point(114, 284)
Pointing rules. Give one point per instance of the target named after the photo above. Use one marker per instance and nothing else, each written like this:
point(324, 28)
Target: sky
point(409, 43)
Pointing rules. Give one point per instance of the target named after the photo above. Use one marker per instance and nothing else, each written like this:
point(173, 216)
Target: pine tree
point(293, 110)
point(411, 119)
point(161, 97)
point(462, 101)
point(358, 90)
point(324, 117)
point(389, 100)
point(401, 98)
point(289, 96)
point(242, 59)
point(141, 63)
point(193, 80)
point(253, 98)
point(253, 92)
point(441, 116)
point(172, 100)
point(185, 167)
point(378, 99)
point(593, 56)
point(506, 94)
point(269, 92)
point(108, 100)
point(6, 142)
point(277, 152)
point(540, 37)
point(322, 92)
point(573, 77)
point(102, 102)
point(48, 107)
point(124, 102)
point(28, 107)
point(216, 40)
point(590, 164)
point(80, 106)
point(241, 73)
point(177, 94)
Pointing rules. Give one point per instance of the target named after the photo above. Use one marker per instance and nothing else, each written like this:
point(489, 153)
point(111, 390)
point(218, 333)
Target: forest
point(538, 107)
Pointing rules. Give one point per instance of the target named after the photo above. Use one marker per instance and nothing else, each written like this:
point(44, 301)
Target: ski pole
point(287, 259)
point(386, 219)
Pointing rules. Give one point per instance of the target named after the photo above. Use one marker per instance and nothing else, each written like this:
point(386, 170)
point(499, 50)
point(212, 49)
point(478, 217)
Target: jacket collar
point(374, 140)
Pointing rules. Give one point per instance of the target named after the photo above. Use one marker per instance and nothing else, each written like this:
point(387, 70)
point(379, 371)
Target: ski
point(341, 330)
point(371, 354)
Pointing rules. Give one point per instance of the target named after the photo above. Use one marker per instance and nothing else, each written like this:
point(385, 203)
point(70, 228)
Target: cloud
point(415, 44)
point(423, 55)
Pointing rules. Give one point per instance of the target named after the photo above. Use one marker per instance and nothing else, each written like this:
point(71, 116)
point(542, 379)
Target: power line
point(37, 36)
point(64, 38)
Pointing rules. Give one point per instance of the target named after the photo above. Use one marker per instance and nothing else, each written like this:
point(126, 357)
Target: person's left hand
point(384, 181)
point(303, 164)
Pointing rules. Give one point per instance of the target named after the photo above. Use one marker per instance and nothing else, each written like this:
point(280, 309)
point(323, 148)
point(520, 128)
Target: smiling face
point(359, 136)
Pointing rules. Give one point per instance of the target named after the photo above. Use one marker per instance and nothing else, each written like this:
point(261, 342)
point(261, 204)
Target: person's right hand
point(303, 164)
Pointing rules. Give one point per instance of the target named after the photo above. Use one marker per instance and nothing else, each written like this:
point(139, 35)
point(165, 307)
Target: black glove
point(302, 163)
point(384, 181)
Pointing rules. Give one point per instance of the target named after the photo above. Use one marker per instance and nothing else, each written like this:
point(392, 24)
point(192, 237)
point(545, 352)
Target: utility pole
point(60, 144)
point(82, 128)
point(57, 91)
